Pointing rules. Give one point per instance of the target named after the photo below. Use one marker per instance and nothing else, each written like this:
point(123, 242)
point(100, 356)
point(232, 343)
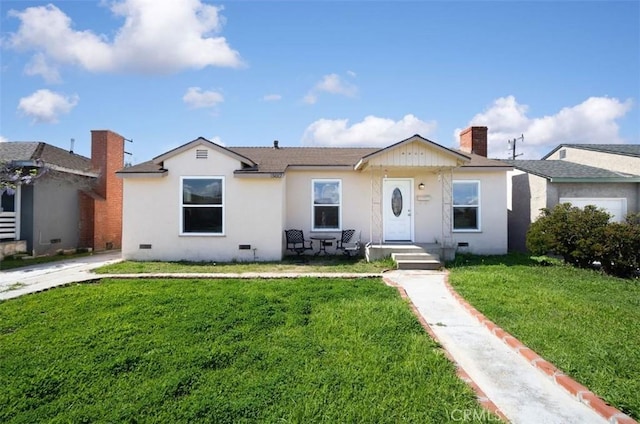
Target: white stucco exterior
point(252, 214)
point(257, 209)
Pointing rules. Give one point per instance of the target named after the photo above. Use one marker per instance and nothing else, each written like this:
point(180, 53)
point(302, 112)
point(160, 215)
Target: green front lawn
point(585, 323)
point(303, 350)
point(332, 264)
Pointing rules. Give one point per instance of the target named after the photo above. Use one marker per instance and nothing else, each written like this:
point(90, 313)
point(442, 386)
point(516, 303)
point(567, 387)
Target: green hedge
point(585, 236)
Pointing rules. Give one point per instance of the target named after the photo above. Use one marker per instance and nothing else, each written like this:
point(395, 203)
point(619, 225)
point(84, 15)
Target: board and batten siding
point(413, 155)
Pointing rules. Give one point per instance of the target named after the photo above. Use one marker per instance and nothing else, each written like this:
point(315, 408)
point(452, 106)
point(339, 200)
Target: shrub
point(575, 234)
point(621, 252)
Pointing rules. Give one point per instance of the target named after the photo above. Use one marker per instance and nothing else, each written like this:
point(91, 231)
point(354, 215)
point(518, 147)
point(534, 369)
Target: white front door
point(397, 205)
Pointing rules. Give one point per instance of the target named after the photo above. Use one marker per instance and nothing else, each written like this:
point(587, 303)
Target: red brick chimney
point(474, 140)
point(101, 210)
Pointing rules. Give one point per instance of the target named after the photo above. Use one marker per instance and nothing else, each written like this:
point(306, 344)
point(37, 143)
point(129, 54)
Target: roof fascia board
point(320, 167)
point(594, 180)
point(72, 171)
point(274, 175)
point(484, 168)
point(164, 173)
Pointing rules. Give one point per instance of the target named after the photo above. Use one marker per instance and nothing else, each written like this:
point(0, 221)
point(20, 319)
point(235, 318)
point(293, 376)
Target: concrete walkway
point(521, 393)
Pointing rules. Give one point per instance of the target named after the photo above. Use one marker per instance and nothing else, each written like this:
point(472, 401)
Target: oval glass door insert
point(396, 202)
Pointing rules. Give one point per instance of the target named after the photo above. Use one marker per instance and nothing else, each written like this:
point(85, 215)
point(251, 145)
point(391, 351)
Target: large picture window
point(466, 205)
point(202, 205)
point(327, 205)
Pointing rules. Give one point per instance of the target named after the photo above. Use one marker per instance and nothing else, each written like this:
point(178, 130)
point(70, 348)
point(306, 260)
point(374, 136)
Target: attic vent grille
point(202, 154)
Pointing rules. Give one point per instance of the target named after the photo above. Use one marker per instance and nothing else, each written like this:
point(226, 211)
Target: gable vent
point(202, 154)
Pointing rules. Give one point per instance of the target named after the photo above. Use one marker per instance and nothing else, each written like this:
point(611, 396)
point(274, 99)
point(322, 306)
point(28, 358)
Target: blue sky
point(356, 73)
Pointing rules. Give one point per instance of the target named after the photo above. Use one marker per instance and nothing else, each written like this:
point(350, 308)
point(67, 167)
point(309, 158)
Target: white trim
point(411, 208)
point(339, 205)
point(479, 207)
point(181, 206)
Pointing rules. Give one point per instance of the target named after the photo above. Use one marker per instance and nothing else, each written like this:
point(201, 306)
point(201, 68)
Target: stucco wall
point(620, 163)
point(257, 210)
point(251, 214)
point(56, 214)
point(356, 206)
point(605, 190)
point(492, 239)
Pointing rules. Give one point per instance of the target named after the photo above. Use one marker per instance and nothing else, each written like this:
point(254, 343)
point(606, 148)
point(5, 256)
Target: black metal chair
point(296, 242)
point(346, 245)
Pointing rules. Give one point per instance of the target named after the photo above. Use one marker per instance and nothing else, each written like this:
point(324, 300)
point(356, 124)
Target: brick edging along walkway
point(483, 399)
point(580, 392)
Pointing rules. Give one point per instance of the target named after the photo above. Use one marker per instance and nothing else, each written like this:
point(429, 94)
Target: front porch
point(411, 255)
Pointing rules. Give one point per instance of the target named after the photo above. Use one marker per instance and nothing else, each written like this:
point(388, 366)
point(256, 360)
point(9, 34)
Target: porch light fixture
point(421, 186)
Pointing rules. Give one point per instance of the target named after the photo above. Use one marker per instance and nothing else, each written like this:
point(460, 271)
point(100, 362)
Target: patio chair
point(346, 245)
point(296, 242)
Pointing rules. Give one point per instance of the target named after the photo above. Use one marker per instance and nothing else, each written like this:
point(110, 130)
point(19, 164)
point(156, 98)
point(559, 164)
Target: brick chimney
point(101, 210)
point(474, 140)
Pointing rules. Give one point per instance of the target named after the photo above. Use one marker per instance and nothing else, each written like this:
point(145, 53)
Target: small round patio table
point(324, 242)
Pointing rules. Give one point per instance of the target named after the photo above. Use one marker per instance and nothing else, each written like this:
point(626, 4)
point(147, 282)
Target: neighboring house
point(603, 175)
point(75, 202)
point(205, 202)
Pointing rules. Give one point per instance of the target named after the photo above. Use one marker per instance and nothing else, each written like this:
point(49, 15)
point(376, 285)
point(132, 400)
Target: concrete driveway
point(35, 278)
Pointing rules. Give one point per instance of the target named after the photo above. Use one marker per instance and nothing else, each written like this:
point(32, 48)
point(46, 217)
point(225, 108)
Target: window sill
point(202, 235)
point(466, 231)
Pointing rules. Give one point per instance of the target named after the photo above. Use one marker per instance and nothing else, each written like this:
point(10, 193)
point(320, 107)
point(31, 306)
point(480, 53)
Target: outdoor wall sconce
point(421, 186)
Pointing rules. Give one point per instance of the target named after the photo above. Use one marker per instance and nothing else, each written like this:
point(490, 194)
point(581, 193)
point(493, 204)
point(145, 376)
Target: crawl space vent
point(202, 154)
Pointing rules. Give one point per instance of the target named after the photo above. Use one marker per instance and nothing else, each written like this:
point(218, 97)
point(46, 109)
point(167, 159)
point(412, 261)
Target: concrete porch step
point(415, 256)
point(426, 261)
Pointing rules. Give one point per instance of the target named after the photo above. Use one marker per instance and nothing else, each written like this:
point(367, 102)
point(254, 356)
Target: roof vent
point(202, 154)
point(275, 144)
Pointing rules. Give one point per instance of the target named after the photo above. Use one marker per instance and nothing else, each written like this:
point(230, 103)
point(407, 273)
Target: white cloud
point(216, 139)
point(272, 97)
point(592, 121)
point(157, 37)
point(331, 84)
point(3, 139)
point(46, 105)
point(371, 131)
point(38, 65)
point(196, 98)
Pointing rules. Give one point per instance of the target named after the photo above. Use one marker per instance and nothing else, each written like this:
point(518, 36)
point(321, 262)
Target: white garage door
point(616, 207)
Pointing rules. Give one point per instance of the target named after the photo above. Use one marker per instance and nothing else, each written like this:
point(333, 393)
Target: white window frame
point(313, 205)
point(478, 207)
point(182, 206)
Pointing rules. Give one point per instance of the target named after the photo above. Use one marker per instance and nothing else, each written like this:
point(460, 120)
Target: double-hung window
point(202, 205)
point(327, 205)
point(466, 205)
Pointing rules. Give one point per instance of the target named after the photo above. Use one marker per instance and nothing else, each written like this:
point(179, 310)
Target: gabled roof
point(563, 171)
point(616, 149)
point(201, 141)
point(34, 153)
point(453, 154)
point(272, 160)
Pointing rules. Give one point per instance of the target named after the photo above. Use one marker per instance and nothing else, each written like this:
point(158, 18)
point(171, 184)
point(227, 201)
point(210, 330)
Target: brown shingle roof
point(272, 160)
